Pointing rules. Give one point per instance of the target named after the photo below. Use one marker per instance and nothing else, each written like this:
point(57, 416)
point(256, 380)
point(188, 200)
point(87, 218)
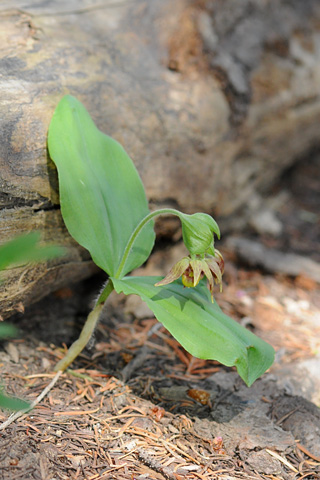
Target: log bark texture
point(213, 100)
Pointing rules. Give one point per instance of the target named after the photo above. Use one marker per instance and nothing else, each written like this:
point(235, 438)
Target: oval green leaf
point(101, 194)
point(200, 326)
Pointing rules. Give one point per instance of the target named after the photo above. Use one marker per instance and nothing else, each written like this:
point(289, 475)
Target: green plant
point(105, 209)
point(19, 251)
point(8, 331)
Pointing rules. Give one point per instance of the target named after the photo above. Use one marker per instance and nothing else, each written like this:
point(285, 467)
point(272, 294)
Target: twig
point(287, 415)
point(282, 459)
point(304, 450)
point(135, 364)
point(79, 375)
point(35, 402)
point(155, 465)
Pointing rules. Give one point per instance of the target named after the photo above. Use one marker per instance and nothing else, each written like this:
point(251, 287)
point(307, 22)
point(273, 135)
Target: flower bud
point(197, 232)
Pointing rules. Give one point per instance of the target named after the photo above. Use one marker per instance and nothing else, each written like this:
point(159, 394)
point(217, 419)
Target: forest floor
point(136, 406)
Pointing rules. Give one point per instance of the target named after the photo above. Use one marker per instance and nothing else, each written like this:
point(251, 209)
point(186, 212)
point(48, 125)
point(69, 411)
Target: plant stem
point(144, 221)
point(87, 330)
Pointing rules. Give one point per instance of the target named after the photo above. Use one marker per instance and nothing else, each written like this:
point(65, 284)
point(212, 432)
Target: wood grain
point(213, 100)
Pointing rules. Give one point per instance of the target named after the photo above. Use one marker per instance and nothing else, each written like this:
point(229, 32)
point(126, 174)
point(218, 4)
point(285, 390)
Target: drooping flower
point(192, 269)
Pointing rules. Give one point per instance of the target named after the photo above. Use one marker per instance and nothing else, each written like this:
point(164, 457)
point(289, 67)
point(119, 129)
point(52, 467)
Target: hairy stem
point(144, 221)
point(86, 332)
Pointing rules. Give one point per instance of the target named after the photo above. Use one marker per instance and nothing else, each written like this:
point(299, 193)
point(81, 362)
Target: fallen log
point(255, 254)
point(213, 100)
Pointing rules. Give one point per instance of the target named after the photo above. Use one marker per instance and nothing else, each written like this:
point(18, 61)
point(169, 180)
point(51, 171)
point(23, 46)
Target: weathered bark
point(212, 100)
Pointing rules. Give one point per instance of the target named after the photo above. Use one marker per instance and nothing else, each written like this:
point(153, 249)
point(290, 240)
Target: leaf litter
point(175, 417)
point(136, 406)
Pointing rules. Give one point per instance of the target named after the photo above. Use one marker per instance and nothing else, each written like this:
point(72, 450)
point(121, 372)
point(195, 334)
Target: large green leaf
point(101, 194)
point(200, 326)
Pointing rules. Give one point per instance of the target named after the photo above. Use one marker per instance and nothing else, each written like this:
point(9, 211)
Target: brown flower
point(192, 269)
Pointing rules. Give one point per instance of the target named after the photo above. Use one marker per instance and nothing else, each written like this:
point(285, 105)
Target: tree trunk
point(212, 99)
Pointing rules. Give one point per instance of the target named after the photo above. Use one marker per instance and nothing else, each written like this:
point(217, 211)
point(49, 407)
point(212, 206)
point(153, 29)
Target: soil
point(135, 405)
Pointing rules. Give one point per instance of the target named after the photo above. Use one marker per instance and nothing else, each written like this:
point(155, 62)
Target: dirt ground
point(135, 405)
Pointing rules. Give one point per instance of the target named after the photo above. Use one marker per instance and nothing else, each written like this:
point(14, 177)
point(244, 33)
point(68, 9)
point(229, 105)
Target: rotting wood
point(255, 254)
point(211, 100)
